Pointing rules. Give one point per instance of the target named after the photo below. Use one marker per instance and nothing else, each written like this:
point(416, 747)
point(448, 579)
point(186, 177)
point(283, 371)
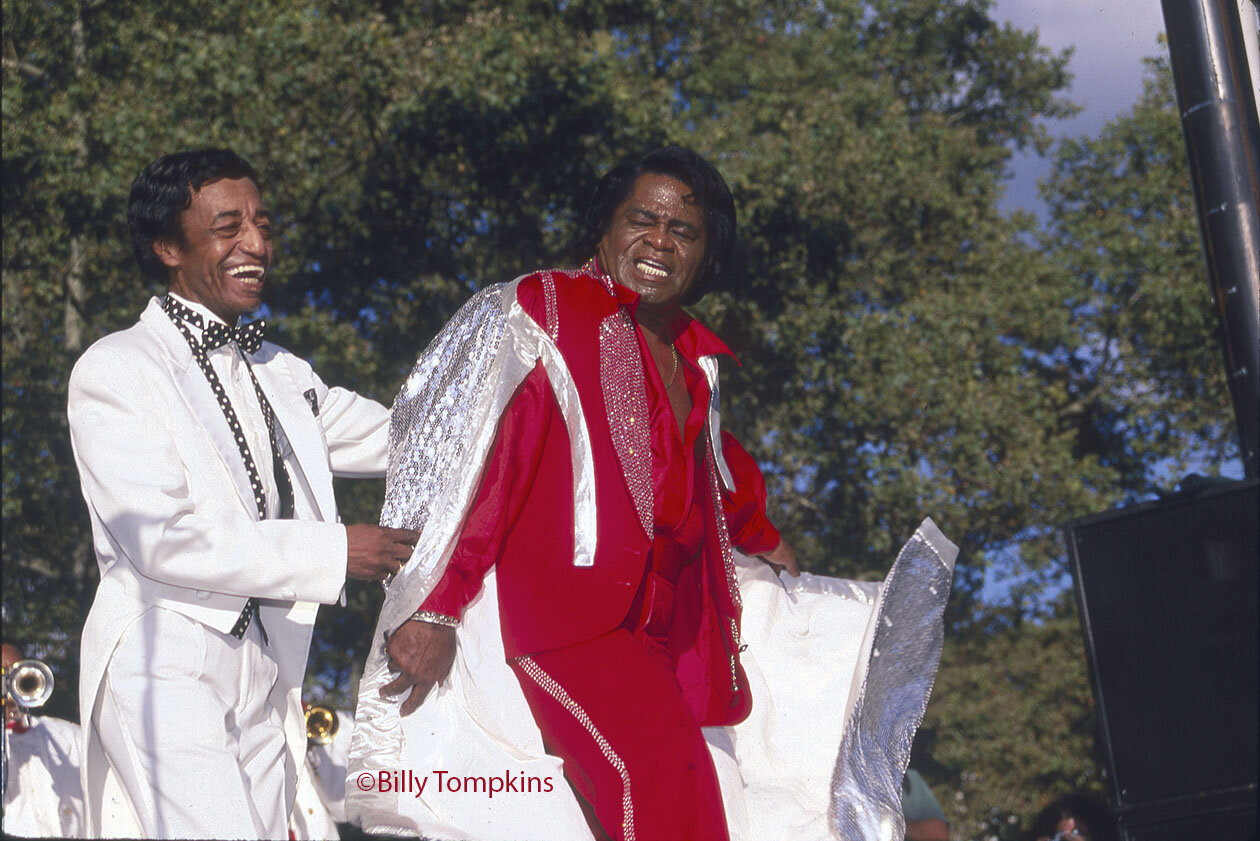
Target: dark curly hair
point(706, 184)
point(165, 188)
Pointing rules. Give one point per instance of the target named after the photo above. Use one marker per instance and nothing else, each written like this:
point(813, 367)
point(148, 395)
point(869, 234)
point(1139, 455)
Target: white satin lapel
point(198, 397)
point(301, 427)
point(532, 343)
point(709, 365)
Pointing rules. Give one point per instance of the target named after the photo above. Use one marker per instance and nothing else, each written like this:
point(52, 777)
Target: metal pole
point(1218, 116)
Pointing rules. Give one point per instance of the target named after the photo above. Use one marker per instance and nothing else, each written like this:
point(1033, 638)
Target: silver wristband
point(435, 618)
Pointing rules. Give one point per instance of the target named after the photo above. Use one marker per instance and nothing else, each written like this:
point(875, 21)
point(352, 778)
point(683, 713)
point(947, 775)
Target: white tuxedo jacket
point(174, 522)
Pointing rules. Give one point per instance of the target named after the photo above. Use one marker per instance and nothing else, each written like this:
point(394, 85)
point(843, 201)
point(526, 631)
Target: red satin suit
point(621, 662)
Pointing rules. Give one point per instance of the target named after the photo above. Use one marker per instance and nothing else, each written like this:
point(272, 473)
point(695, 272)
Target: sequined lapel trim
point(728, 566)
point(591, 267)
point(625, 400)
point(555, 690)
point(553, 313)
point(724, 536)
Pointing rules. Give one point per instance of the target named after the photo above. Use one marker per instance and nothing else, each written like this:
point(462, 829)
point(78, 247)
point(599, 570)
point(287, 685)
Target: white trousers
point(186, 723)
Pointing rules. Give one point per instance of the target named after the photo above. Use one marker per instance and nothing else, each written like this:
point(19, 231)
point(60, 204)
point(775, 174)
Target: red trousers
point(611, 709)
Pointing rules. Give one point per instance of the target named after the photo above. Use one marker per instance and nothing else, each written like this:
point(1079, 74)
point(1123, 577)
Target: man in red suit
point(622, 657)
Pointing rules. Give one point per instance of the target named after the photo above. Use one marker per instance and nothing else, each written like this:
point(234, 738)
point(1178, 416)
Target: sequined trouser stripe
point(556, 691)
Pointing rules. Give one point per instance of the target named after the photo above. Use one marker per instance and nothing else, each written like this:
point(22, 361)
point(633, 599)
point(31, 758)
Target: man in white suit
point(206, 457)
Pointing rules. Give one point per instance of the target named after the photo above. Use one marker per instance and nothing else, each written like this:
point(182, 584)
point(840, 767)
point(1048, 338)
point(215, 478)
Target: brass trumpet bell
point(321, 725)
point(29, 683)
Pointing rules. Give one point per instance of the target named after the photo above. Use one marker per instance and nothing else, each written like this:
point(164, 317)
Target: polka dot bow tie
point(249, 337)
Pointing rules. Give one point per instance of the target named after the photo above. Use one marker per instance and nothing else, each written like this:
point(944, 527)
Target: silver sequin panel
point(905, 650)
point(426, 431)
point(443, 427)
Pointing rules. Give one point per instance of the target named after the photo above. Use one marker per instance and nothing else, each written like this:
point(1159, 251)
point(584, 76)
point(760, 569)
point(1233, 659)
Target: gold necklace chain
point(674, 373)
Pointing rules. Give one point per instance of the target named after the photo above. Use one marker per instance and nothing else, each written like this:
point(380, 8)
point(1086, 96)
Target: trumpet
point(321, 725)
point(29, 683)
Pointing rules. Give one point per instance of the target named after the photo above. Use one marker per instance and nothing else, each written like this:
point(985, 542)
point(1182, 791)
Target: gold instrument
point(321, 725)
point(29, 683)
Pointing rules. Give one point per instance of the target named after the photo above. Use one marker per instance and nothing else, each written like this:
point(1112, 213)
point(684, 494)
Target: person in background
point(43, 796)
point(321, 795)
point(925, 820)
point(1075, 817)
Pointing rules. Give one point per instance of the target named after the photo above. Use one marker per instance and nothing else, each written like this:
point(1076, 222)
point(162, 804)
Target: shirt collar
point(201, 309)
point(623, 296)
point(692, 339)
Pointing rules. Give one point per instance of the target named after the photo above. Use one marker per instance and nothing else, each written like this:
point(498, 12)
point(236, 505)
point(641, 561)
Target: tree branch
point(42, 566)
point(24, 67)
point(1079, 405)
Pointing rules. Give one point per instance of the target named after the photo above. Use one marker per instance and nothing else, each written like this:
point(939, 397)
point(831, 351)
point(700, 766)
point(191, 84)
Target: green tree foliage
point(1140, 357)
point(868, 168)
point(1015, 730)
point(1129, 347)
point(416, 151)
point(906, 348)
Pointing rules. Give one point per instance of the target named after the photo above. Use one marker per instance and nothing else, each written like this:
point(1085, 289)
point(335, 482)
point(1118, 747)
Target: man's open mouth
point(651, 268)
point(250, 275)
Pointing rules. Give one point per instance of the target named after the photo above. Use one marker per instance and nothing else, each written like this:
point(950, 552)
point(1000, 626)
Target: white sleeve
point(356, 428)
point(357, 431)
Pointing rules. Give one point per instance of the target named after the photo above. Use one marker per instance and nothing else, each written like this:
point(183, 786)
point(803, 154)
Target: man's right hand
point(422, 654)
point(373, 553)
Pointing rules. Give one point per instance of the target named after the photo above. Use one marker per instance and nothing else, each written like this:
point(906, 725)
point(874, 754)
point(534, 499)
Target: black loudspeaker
point(1167, 593)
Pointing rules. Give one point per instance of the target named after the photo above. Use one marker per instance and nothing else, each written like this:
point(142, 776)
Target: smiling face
point(655, 242)
point(226, 249)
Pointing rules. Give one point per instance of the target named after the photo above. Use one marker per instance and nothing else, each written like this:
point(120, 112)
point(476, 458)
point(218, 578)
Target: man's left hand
point(422, 654)
point(783, 557)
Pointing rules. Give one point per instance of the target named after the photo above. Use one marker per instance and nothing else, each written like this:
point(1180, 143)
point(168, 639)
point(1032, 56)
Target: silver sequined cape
point(443, 427)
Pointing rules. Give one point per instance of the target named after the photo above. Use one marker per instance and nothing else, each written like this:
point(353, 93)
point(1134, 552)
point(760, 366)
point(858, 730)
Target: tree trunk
point(73, 316)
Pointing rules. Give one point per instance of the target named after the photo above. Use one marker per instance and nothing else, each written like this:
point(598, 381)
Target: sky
point(1110, 37)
